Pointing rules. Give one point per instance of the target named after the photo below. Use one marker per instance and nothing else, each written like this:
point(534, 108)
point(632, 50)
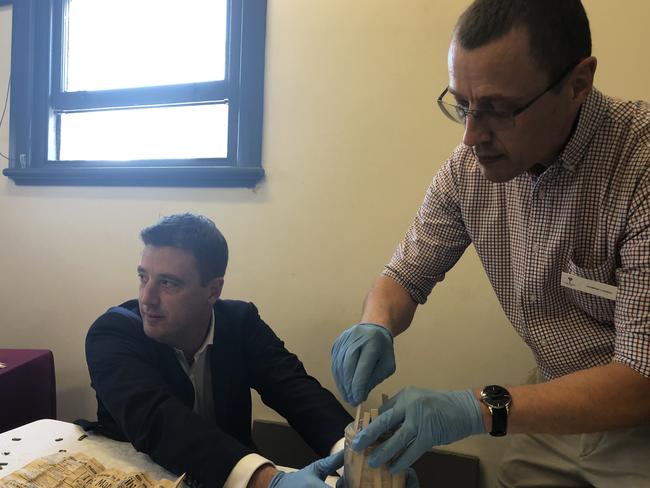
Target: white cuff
point(243, 471)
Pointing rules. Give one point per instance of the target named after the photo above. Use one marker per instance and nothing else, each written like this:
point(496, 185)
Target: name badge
point(588, 286)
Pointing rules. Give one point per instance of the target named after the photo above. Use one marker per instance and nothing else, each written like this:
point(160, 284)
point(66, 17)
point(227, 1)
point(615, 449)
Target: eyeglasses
point(493, 119)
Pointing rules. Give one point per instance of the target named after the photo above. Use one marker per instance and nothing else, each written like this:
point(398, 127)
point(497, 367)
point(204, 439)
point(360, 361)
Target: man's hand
point(428, 418)
point(362, 357)
point(312, 476)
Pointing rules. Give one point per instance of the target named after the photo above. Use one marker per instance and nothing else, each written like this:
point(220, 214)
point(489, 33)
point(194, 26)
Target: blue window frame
point(45, 108)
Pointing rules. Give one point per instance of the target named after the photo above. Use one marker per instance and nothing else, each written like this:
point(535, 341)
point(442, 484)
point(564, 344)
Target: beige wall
point(351, 140)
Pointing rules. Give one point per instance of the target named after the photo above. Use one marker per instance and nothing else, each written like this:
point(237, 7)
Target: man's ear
point(582, 79)
point(215, 287)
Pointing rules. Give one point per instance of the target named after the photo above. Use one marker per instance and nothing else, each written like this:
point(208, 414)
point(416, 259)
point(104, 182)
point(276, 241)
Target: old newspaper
point(78, 471)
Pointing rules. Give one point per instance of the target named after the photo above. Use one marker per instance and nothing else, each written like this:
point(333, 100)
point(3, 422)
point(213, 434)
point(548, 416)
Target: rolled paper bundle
point(357, 472)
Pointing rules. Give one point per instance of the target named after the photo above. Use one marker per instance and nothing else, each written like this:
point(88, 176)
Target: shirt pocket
point(601, 309)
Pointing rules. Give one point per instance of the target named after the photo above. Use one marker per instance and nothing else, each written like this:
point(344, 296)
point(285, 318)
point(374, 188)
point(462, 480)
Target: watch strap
point(499, 421)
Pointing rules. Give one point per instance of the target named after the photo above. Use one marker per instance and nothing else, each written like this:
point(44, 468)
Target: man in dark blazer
point(173, 370)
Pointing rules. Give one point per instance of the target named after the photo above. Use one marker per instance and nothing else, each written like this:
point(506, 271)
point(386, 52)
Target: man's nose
point(476, 131)
point(149, 293)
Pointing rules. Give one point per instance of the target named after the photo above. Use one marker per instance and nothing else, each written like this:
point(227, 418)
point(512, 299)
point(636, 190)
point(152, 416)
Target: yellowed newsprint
point(78, 471)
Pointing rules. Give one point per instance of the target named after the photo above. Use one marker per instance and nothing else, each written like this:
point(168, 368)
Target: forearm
point(390, 305)
point(596, 399)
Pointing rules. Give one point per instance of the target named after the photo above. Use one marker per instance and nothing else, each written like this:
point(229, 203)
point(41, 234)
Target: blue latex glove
point(411, 479)
point(311, 476)
point(428, 418)
point(362, 357)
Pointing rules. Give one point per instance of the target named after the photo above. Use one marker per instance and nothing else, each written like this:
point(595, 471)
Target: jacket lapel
point(178, 379)
point(222, 364)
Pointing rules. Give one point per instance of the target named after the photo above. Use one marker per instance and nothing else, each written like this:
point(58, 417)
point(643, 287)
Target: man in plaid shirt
point(551, 185)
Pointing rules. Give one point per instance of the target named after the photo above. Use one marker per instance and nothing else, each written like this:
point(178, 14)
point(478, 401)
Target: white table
point(40, 439)
point(45, 437)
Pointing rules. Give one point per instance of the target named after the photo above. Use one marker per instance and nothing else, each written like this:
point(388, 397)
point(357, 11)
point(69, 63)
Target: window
point(137, 92)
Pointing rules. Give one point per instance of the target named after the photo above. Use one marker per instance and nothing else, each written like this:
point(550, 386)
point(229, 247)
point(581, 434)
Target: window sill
point(143, 176)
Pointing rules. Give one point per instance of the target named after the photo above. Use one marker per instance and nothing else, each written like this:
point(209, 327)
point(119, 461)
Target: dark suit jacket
point(145, 397)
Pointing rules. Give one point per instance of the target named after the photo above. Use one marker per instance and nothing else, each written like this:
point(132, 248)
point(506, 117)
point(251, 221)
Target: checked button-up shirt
point(587, 215)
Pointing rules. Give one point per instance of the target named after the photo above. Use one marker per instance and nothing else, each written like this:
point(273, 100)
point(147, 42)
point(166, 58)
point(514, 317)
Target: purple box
point(27, 387)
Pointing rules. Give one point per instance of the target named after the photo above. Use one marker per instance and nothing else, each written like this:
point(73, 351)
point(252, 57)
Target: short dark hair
point(558, 29)
point(195, 234)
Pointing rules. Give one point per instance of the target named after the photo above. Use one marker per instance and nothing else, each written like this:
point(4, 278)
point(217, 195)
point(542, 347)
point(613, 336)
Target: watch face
point(496, 396)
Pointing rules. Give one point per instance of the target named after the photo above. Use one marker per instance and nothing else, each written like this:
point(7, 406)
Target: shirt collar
point(591, 117)
point(209, 337)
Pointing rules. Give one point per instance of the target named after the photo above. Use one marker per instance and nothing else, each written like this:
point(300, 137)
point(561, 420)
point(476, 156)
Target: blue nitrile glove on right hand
point(428, 418)
point(311, 476)
point(362, 357)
